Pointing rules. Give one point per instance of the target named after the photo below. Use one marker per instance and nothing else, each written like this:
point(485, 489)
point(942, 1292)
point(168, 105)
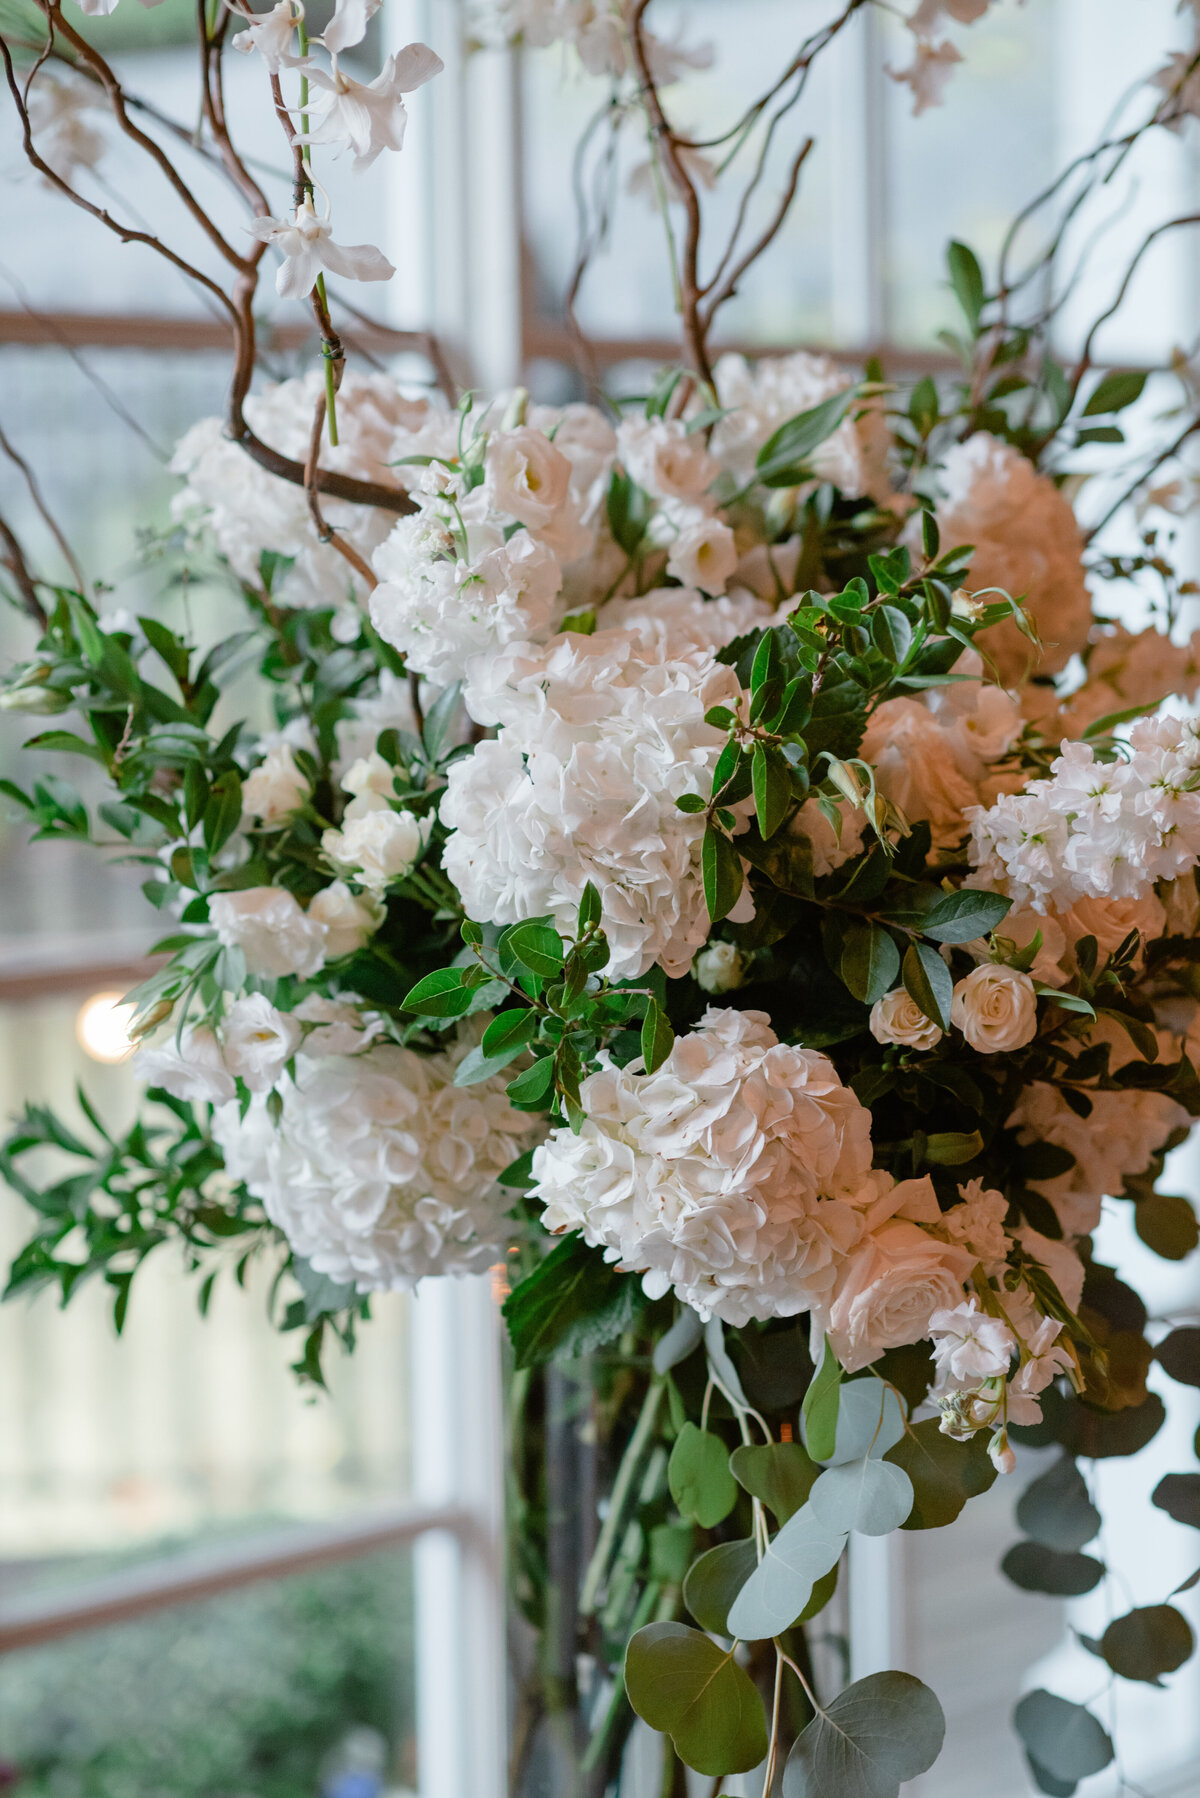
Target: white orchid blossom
point(100, 9)
point(348, 25)
point(367, 117)
point(270, 33)
point(307, 247)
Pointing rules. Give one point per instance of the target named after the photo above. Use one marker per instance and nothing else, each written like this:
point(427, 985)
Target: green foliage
point(781, 1586)
point(869, 1496)
point(878, 1733)
point(1147, 1642)
point(680, 1682)
point(1178, 1494)
point(944, 1473)
point(714, 1580)
point(1178, 1354)
point(571, 1304)
point(781, 1474)
point(1056, 1509)
point(701, 1484)
point(1035, 1568)
point(820, 1409)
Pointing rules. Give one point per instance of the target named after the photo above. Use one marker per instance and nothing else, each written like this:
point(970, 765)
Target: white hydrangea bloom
point(599, 736)
point(380, 1170)
point(1027, 543)
point(765, 394)
point(1099, 830)
point(729, 1175)
point(250, 511)
point(678, 620)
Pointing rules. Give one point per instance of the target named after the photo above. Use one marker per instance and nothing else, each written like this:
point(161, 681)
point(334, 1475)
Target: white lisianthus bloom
point(995, 1007)
point(194, 1069)
point(366, 117)
point(1027, 542)
point(334, 1028)
point(897, 1018)
point(348, 919)
point(729, 1175)
point(381, 1170)
point(703, 555)
point(968, 1348)
point(720, 968)
point(928, 73)
point(258, 1041)
point(525, 476)
point(890, 1288)
point(275, 790)
point(830, 849)
point(306, 244)
point(371, 780)
point(670, 462)
point(270, 928)
point(378, 848)
point(599, 736)
point(270, 33)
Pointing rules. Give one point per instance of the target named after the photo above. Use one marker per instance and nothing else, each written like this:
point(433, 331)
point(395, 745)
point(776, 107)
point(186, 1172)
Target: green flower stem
point(330, 384)
point(622, 1495)
point(655, 1605)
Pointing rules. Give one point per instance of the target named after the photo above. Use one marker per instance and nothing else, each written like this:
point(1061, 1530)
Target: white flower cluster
point(380, 841)
point(481, 564)
point(1100, 830)
point(1027, 543)
point(250, 512)
point(380, 1170)
point(765, 394)
point(279, 937)
point(598, 737)
point(933, 63)
point(729, 1175)
point(598, 30)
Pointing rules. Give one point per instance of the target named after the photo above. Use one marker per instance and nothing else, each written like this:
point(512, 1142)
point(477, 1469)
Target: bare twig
point(325, 531)
point(48, 518)
point(12, 557)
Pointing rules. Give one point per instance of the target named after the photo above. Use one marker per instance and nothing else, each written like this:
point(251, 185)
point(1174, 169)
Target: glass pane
point(288, 1689)
point(182, 1426)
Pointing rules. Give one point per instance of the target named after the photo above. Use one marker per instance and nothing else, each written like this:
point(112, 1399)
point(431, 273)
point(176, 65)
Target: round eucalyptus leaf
point(1046, 1782)
point(680, 1682)
point(870, 1421)
point(782, 1584)
point(699, 1477)
point(881, 1731)
point(714, 1580)
point(781, 1474)
point(1167, 1224)
point(1056, 1508)
point(1178, 1494)
point(868, 1496)
point(1062, 1737)
point(1179, 1355)
point(1036, 1568)
point(944, 1473)
point(1148, 1642)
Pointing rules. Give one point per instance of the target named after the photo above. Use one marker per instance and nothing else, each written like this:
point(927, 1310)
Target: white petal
point(359, 262)
point(415, 65)
point(349, 24)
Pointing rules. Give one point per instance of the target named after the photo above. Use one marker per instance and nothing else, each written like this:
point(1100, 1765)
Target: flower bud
point(720, 967)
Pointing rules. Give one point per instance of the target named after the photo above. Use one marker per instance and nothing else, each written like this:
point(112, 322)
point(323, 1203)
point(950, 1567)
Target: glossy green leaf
point(1114, 393)
point(891, 633)
point(927, 980)
point(1167, 1224)
point(961, 917)
point(572, 1302)
point(944, 1473)
point(820, 1409)
point(440, 995)
point(1062, 1737)
point(681, 1683)
point(535, 1087)
point(781, 458)
point(1035, 1568)
point(781, 1474)
point(714, 1580)
point(870, 960)
point(880, 1732)
point(966, 278)
point(722, 869)
point(537, 948)
point(657, 1037)
point(509, 1030)
point(698, 1474)
point(772, 788)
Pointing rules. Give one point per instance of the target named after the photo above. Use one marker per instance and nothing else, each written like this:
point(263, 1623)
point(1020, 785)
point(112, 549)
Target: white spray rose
point(995, 1008)
point(270, 928)
point(720, 968)
point(379, 847)
point(350, 920)
point(274, 790)
point(897, 1018)
point(258, 1041)
point(194, 1070)
point(890, 1288)
point(525, 476)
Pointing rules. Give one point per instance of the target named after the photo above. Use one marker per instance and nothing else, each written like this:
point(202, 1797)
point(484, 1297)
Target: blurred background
point(281, 1652)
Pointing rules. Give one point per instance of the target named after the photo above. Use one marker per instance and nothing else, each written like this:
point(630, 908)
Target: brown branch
point(1151, 237)
point(116, 99)
point(48, 518)
point(765, 238)
point(212, 93)
point(13, 558)
point(1165, 455)
point(325, 531)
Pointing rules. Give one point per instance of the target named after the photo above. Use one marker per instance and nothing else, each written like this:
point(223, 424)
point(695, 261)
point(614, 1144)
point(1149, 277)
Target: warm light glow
point(103, 1027)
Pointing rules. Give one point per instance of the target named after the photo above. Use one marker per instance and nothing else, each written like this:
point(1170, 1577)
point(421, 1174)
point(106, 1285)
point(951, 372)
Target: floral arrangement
point(711, 853)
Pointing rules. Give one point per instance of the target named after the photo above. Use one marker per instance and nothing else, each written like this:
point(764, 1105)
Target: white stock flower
point(348, 919)
point(968, 1348)
point(306, 244)
point(928, 73)
point(1045, 1359)
point(1027, 543)
point(728, 1175)
point(381, 1170)
point(258, 1041)
point(378, 847)
point(763, 395)
point(889, 1289)
point(703, 555)
point(525, 476)
point(720, 968)
point(670, 462)
point(268, 925)
point(274, 790)
point(60, 110)
point(270, 33)
point(679, 620)
point(366, 117)
point(897, 1018)
point(442, 613)
point(599, 736)
point(335, 1028)
point(194, 1069)
point(995, 1007)
point(977, 1223)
